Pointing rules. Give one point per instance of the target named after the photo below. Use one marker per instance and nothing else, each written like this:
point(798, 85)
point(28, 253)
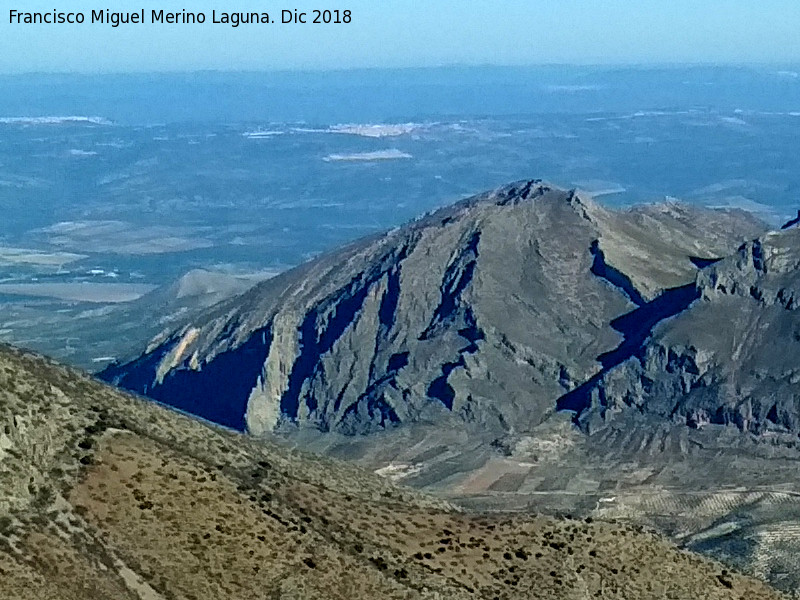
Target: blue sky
point(404, 33)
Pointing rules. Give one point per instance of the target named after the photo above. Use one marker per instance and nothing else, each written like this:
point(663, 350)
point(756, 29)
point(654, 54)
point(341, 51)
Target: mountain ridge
point(701, 372)
point(463, 350)
point(428, 299)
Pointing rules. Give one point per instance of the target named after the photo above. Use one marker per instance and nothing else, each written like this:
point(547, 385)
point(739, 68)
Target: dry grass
point(105, 496)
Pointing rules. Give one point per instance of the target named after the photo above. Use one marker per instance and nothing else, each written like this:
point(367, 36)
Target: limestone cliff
point(486, 312)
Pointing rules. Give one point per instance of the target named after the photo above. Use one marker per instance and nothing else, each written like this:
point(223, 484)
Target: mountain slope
point(470, 342)
point(730, 359)
point(106, 496)
point(485, 313)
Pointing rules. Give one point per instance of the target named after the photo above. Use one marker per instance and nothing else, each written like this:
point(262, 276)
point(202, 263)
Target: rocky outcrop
point(731, 358)
point(487, 312)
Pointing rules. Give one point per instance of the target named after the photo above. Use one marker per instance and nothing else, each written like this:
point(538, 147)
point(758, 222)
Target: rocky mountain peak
point(485, 312)
point(544, 351)
point(766, 269)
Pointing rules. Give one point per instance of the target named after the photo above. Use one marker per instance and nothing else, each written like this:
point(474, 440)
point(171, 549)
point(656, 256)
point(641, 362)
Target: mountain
point(486, 313)
point(529, 349)
point(107, 496)
point(730, 359)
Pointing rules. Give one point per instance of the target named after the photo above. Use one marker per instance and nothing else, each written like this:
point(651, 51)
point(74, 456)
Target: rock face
point(729, 359)
point(495, 312)
point(471, 342)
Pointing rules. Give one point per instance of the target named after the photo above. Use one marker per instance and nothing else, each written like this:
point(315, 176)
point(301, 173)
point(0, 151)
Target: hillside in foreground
point(103, 495)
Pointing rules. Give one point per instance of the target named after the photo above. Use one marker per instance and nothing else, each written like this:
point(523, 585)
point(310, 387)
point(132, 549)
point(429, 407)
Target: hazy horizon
point(404, 34)
point(665, 65)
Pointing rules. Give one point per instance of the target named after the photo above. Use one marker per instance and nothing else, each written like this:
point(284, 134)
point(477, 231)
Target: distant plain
point(136, 180)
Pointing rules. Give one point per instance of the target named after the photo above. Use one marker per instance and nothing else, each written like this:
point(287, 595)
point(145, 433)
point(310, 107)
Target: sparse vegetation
point(160, 506)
